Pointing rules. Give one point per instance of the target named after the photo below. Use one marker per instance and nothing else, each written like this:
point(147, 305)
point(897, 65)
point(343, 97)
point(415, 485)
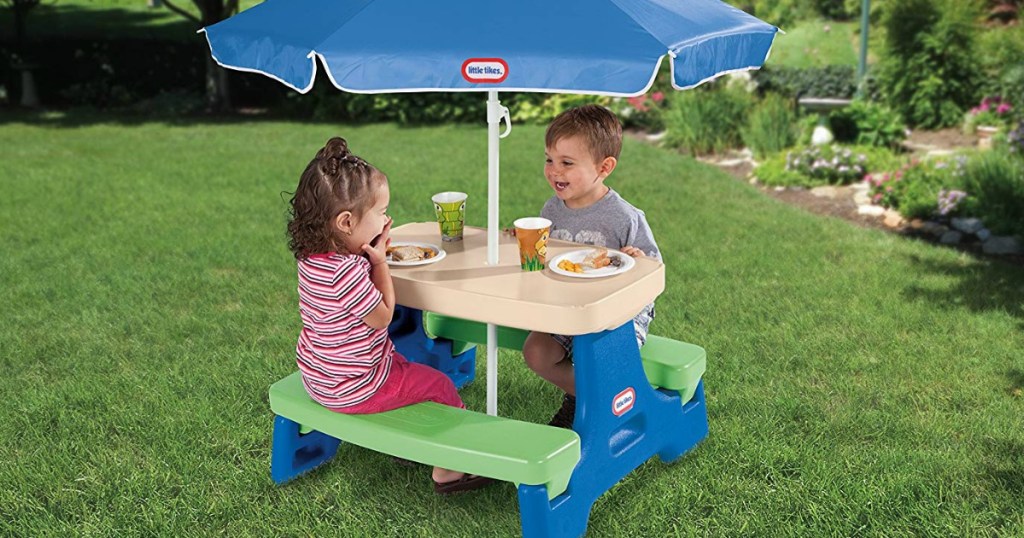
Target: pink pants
point(409, 383)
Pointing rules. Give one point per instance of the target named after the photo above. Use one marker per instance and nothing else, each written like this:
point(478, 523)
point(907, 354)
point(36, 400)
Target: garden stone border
point(973, 237)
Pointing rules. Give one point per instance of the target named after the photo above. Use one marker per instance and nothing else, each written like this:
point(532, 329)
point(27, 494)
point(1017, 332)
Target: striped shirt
point(343, 360)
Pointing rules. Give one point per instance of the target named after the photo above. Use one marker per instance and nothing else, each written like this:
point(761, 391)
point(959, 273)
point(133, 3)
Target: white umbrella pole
point(494, 114)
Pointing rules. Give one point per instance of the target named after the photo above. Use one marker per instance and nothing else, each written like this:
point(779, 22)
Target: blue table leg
point(294, 453)
point(622, 422)
point(412, 342)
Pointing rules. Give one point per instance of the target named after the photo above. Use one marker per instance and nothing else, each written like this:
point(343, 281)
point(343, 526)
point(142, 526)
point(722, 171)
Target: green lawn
point(858, 383)
point(817, 43)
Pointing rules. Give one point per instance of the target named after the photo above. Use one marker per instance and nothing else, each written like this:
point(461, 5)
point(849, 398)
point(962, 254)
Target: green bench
point(669, 364)
point(306, 434)
point(429, 433)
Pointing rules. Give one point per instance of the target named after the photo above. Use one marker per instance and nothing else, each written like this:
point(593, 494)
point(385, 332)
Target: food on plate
point(567, 265)
point(410, 253)
point(597, 258)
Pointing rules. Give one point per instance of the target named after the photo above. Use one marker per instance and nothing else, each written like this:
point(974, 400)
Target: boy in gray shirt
point(582, 149)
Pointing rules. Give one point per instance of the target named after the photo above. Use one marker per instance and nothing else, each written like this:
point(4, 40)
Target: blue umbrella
point(603, 47)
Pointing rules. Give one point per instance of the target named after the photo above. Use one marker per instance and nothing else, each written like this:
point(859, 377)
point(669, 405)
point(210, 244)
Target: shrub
point(703, 121)
point(778, 169)
point(1015, 140)
point(783, 12)
point(829, 81)
point(642, 112)
point(834, 9)
point(833, 164)
point(796, 167)
point(544, 110)
point(913, 189)
point(929, 71)
point(992, 111)
point(995, 182)
point(853, 7)
point(772, 126)
point(921, 189)
point(868, 123)
point(1001, 50)
point(773, 172)
point(647, 112)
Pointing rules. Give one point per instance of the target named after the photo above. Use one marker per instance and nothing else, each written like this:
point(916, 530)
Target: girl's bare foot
point(444, 475)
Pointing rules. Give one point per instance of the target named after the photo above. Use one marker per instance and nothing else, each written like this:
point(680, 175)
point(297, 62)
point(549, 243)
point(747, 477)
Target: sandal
point(468, 482)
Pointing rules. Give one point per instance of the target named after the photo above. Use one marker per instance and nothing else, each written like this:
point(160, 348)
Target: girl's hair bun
point(332, 155)
point(336, 147)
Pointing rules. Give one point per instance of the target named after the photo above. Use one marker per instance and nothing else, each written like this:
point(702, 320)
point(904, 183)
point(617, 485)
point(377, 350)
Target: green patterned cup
point(450, 208)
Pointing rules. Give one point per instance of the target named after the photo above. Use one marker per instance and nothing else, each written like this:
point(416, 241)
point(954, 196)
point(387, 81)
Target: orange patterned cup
point(532, 234)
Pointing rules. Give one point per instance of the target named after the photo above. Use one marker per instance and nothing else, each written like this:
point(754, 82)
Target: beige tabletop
point(464, 285)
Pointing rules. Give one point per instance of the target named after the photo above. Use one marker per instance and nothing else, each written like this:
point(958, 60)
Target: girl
point(340, 232)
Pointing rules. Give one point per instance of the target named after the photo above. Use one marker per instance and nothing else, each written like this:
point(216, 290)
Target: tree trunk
point(218, 92)
point(19, 30)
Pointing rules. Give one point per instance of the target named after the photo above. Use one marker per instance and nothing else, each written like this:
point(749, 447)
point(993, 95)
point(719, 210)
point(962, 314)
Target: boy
point(582, 149)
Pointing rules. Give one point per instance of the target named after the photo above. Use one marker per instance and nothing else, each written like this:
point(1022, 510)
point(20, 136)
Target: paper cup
point(450, 208)
point(532, 234)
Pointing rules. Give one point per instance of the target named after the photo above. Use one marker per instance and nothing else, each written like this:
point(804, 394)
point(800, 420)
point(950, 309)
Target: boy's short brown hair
point(600, 129)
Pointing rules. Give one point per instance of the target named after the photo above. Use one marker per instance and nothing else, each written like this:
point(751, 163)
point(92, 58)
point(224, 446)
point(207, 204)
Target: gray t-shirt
point(610, 222)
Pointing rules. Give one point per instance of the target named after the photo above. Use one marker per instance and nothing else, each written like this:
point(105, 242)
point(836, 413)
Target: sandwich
point(407, 253)
point(596, 259)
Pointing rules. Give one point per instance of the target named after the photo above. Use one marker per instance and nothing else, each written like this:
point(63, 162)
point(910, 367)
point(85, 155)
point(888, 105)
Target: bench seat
point(669, 364)
point(449, 437)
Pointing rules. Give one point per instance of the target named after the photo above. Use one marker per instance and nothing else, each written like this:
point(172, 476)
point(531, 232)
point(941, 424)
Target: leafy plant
point(1001, 49)
point(829, 81)
point(781, 168)
point(834, 9)
point(921, 189)
point(876, 8)
point(647, 112)
point(706, 121)
point(995, 181)
point(772, 126)
point(1015, 140)
point(992, 111)
point(929, 72)
point(864, 122)
point(832, 164)
point(642, 112)
point(551, 105)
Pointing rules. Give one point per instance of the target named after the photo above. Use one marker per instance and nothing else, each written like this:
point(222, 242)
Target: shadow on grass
point(1004, 467)
point(980, 287)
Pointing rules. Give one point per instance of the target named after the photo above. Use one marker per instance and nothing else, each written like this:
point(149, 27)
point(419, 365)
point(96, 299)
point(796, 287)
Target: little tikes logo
point(484, 70)
point(623, 402)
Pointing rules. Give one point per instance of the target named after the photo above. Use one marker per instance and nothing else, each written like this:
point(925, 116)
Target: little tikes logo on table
point(623, 402)
point(484, 70)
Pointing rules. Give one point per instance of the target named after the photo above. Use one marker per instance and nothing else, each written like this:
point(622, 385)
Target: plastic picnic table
point(622, 420)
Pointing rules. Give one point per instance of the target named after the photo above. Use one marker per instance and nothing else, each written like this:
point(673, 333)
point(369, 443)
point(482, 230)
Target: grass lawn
point(817, 43)
point(858, 383)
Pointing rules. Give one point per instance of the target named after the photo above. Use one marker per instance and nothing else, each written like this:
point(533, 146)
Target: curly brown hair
point(335, 180)
point(600, 129)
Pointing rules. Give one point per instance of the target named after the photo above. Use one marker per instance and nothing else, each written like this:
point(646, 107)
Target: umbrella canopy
point(604, 47)
point(608, 47)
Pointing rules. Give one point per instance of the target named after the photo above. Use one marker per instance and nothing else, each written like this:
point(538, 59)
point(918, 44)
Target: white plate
point(438, 256)
point(577, 256)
